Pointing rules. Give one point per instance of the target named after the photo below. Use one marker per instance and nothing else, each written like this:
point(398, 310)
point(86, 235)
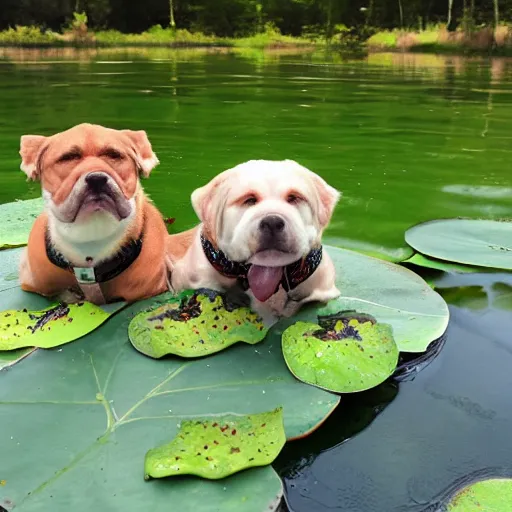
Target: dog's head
point(266, 213)
point(89, 174)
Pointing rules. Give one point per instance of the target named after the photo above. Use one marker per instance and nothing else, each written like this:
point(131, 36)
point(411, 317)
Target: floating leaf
point(492, 495)
point(394, 255)
point(502, 296)
point(194, 324)
point(50, 327)
point(482, 243)
point(100, 406)
point(392, 294)
point(9, 269)
point(351, 354)
point(218, 447)
point(17, 221)
point(468, 297)
point(424, 261)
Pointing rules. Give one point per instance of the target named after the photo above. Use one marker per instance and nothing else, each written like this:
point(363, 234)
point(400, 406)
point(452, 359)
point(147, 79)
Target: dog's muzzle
point(272, 234)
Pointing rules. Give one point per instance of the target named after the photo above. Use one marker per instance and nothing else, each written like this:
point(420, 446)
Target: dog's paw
point(70, 296)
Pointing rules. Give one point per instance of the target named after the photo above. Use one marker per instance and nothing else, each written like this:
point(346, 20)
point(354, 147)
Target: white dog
point(262, 224)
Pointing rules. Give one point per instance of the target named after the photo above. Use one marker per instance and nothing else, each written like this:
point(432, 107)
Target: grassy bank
point(439, 40)
point(156, 36)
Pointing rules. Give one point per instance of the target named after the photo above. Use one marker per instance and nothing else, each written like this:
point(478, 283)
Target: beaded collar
point(293, 274)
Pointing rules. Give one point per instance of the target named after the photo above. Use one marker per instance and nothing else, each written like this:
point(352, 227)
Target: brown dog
point(100, 238)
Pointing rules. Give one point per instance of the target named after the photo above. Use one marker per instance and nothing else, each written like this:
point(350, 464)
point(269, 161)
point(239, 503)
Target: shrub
point(21, 35)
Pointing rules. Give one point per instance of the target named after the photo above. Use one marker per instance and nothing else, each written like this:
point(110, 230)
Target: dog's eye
point(113, 154)
point(293, 199)
point(250, 201)
point(68, 157)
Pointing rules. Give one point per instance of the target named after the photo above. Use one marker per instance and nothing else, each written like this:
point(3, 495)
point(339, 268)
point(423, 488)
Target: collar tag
point(85, 275)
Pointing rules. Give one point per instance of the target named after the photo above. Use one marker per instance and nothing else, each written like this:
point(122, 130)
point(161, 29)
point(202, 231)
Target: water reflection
point(355, 413)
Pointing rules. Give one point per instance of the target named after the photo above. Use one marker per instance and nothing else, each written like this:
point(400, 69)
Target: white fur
point(97, 236)
point(148, 164)
point(236, 229)
point(29, 170)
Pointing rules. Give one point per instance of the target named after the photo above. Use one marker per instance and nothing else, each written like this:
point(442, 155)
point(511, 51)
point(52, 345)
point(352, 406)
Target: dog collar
point(95, 274)
point(293, 274)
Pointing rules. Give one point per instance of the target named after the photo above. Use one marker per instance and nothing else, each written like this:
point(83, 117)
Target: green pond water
point(407, 138)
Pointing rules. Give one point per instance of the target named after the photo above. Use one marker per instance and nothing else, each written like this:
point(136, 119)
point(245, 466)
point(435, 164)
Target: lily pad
point(445, 266)
point(481, 243)
point(9, 269)
point(501, 296)
point(345, 353)
point(468, 297)
point(194, 324)
point(98, 406)
point(17, 220)
point(219, 447)
point(392, 294)
point(51, 327)
point(491, 495)
point(11, 357)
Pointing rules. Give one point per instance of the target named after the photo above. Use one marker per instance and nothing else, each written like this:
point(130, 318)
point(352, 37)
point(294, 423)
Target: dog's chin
point(102, 204)
point(273, 258)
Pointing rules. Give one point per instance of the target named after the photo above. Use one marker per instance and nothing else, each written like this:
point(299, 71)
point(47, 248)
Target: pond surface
point(407, 138)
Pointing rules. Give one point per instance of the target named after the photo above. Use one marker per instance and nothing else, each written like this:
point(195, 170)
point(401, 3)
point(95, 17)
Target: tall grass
point(155, 36)
point(438, 39)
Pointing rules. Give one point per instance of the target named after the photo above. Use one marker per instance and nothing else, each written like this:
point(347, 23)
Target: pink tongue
point(263, 281)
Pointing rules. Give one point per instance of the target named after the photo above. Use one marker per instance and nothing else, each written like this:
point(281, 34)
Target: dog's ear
point(31, 147)
point(207, 202)
point(328, 197)
point(146, 158)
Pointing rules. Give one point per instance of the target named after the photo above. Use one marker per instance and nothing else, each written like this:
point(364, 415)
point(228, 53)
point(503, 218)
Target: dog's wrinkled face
point(89, 174)
point(266, 213)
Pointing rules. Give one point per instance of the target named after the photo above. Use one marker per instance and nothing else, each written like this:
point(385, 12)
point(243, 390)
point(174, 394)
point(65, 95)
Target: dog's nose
point(272, 224)
point(96, 181)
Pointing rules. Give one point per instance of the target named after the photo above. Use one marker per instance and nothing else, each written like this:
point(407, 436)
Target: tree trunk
point(329, 21)
point(401, 13)
point(496, 13)
point(449, 20)
point(369, 14)
point(172, 23)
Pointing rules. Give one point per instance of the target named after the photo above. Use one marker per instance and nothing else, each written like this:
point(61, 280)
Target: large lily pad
point(492, 495)
point(392, 294)
point(194, 324)
point(98, 406)
point(219, 447)
point(17, 220)
point(11, 357)
point(9, 275)
point(482, 243)
point(345, 353)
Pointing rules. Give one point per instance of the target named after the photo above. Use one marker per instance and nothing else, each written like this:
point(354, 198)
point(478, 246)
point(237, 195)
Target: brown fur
point(145, 277)
point(148, 274)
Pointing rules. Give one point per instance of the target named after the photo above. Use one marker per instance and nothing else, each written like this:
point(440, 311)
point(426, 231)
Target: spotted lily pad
point(17, 220)
point(392, 294)
point(194, 324)
point(481, 243)
point(491, 495)
point(215, 448)
point(345, 353)
point(50, 327)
